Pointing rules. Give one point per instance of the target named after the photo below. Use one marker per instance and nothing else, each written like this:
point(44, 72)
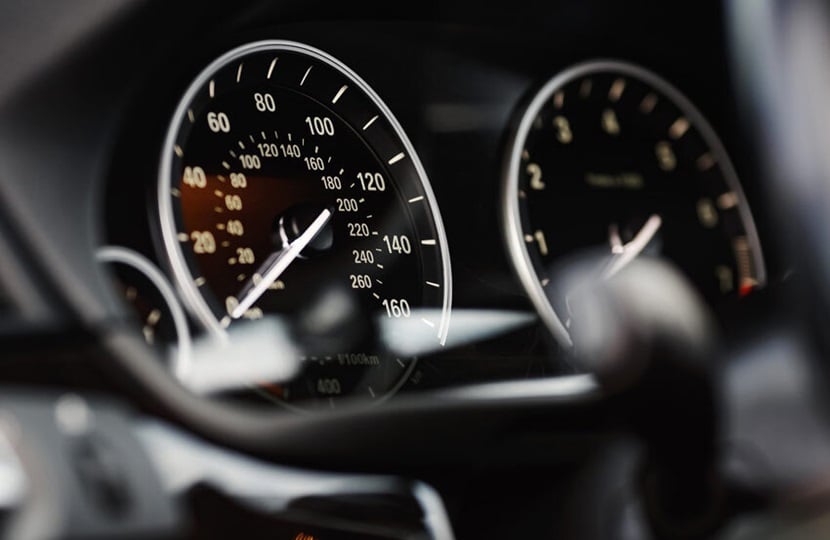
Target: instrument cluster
point(398, 215)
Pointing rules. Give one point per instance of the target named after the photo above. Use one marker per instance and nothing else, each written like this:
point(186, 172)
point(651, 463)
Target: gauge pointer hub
point(294, 222)
point(623, 254)
point(277, 263)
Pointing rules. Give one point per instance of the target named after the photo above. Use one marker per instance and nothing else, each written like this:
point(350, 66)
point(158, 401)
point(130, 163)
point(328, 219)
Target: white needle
point(629, 251)
point(276, 263)
point(614, 239)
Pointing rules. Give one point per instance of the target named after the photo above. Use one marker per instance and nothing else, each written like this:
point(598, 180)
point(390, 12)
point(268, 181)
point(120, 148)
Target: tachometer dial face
point(283, 176)
point(610, 157)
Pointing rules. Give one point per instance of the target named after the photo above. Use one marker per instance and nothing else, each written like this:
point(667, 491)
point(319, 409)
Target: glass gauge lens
point(284, 178)
point(610, 157)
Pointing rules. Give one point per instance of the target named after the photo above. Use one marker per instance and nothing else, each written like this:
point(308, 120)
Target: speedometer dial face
point(284, 176)
point(610, 157)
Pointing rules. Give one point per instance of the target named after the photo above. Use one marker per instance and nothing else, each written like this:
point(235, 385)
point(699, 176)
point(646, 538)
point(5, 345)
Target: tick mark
point(648, 103)
point(616, 90)
point(678, 128)
point(340, 93)
point(271, 67)
point(705, 162)
point(302, 82)
point(727, 200)
point(585, 88)
point(370, 122)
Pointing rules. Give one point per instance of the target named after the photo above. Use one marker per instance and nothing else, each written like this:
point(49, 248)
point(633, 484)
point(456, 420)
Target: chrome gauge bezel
point(180, 362)
point(511, 211)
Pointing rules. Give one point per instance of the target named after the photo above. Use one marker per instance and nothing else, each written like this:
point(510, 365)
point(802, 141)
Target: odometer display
point(283, 176)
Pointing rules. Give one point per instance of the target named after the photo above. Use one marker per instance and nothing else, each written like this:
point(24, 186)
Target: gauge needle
point(625, 253)
point(276, 264)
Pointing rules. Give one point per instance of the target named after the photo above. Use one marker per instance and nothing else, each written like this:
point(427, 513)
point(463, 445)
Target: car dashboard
point(328, 263)
point(458, 91)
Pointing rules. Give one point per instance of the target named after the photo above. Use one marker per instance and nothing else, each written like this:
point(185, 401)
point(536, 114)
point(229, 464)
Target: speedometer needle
point(625, 253)
point(276, 264)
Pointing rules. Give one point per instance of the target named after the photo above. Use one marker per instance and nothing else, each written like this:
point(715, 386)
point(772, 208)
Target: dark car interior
point(322, 271)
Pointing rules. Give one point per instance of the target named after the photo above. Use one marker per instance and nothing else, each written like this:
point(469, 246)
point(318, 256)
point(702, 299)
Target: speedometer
point(284, 175)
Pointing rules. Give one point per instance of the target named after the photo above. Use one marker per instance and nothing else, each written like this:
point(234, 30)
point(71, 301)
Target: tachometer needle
point(276, 264)
point(623, 255)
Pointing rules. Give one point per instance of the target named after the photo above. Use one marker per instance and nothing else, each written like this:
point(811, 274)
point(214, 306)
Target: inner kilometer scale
point(288, 188)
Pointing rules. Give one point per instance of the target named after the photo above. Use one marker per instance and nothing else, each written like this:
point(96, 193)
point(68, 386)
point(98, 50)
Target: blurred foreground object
point(73, 468)
point(648, 337)
point(780, 49)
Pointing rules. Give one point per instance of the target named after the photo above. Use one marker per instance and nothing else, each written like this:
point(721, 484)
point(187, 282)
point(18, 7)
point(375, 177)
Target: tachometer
point(608, 155)
point(283, 175)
